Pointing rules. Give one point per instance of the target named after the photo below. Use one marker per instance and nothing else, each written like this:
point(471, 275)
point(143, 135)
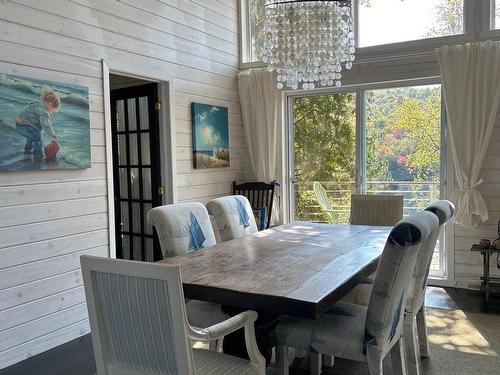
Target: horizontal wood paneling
point(468, 265)
point(33, 291)
point(29, 311)
point(49, 218)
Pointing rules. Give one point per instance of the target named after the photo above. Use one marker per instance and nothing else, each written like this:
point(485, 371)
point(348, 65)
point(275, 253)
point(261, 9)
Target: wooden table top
point(296, 269)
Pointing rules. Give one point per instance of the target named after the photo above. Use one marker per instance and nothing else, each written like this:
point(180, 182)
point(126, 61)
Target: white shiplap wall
point(49, 218)
point(468, 265)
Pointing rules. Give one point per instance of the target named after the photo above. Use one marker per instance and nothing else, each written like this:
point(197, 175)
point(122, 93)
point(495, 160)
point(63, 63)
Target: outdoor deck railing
point(417, 195)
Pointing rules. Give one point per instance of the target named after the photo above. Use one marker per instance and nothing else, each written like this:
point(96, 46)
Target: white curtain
point(261, 110)
point(471, 84)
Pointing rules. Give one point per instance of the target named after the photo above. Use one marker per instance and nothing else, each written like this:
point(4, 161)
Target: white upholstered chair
point(232, 217)
point(139, 323)
point(360, 333)
point(376, 209)
point(415, 329)
point(181, 228)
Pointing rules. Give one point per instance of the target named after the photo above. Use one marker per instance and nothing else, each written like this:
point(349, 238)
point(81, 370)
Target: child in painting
point(34, 119)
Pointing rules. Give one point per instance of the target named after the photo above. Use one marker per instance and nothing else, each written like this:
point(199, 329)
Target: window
point(379, 22)
point(496, 16)
point(324, 150)
point(393, 146)
point(256, 29)
point(391, 21)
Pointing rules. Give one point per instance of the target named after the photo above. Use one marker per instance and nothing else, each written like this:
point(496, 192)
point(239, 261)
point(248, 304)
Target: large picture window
point(382, 141)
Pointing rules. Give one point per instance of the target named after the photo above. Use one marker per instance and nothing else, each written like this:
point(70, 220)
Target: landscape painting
point(210, 136)
point(43, 124)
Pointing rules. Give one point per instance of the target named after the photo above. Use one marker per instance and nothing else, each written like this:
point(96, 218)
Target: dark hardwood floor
point(76, 357)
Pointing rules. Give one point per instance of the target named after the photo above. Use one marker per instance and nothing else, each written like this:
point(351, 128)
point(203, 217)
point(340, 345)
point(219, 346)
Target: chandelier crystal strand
point(308, 42)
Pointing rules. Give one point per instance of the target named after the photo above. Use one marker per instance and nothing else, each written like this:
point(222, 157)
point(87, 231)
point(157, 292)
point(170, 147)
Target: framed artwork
point(210, 136)
point(43, 124)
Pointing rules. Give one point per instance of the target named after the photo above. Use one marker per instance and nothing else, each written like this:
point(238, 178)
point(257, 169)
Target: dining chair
point(182, 228)
point(232, 217)
point(139, 324)
point(261, 196)
point(324, 202)
point(376, 209)
point(360, 333)
point(415, 329)
point(414, 321)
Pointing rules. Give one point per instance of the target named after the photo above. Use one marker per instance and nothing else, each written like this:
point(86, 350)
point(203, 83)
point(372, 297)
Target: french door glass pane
point(391, 21)
point(403, 139)
point(324, 134)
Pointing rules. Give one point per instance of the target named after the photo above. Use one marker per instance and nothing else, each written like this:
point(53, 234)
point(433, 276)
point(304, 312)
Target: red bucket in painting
point(51, 150)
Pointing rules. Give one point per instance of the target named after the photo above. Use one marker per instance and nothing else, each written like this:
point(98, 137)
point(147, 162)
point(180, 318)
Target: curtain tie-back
point(471, 186)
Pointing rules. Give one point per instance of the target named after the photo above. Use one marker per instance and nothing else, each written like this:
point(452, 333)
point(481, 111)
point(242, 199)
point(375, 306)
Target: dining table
point(299, 269)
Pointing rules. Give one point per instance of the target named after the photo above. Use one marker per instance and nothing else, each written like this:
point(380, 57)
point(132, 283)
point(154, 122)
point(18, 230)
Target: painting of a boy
point(34, 119)
point(43, 124)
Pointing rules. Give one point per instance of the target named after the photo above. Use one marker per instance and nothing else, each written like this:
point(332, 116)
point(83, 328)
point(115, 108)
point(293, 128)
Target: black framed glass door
point(136, 170)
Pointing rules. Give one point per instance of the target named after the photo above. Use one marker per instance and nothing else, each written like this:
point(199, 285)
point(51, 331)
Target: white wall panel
point(49, 218)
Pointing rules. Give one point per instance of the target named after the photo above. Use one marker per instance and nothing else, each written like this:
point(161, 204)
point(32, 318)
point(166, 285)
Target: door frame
point(167, 141)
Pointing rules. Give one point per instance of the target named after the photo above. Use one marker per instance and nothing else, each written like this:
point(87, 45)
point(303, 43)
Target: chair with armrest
point(182, 228)
point(139, 323)
point(360, 333)
point(261, 197)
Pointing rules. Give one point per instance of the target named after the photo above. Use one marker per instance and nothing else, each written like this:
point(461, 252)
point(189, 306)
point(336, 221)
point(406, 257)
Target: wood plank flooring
point(76, 357)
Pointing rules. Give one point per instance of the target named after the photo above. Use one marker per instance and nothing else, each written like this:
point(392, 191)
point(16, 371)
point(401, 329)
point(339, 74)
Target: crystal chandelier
point(308, 41)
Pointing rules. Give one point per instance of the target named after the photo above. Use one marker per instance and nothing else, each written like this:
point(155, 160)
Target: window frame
point(479, 23)
point(447, 259)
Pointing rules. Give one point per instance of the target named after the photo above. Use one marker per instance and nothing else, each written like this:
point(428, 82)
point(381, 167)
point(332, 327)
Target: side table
point(489, 284)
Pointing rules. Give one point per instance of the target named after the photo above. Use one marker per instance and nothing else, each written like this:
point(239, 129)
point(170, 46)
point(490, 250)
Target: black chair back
point(259, 194)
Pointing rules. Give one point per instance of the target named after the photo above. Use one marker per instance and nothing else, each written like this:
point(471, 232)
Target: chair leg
point(328, 360)
point(375, 364)
point(212, 345)
point(398, 358)
point(282, 360)
point(316, 363)
point(422, 333)
point(411, 343)
point(220, 345)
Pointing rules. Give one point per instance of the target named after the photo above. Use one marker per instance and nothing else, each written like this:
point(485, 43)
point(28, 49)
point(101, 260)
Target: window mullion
point(360, 182)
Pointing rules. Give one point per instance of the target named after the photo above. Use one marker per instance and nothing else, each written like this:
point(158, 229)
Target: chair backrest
point(137, 316)
point(259, 194)
point(444, 210)
point(322, 197)
point(182, 227)
point(376, 209)
point(390, 288)
point(233, 217)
